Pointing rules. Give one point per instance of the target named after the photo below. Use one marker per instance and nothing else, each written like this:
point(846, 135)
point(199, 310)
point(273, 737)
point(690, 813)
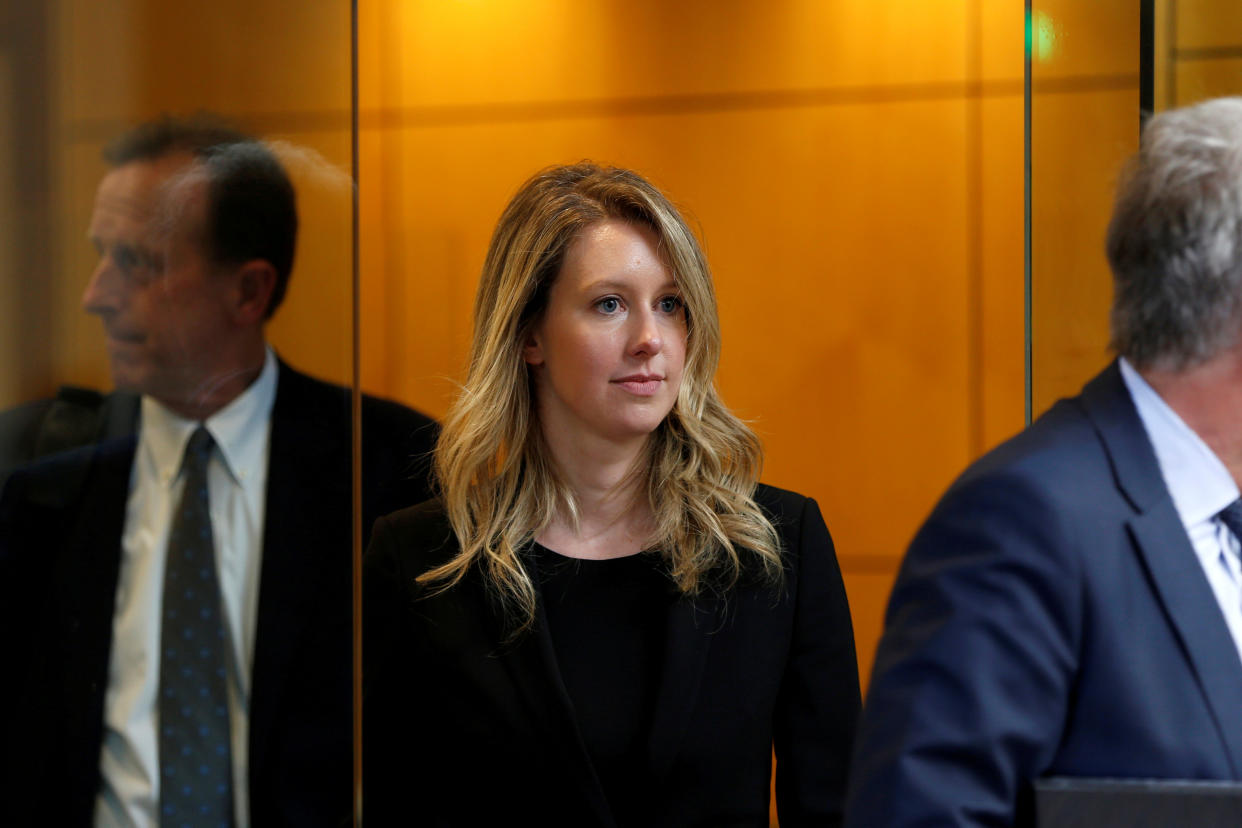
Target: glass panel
point(1198, 51)
point(180, 297)
point(1084, 124)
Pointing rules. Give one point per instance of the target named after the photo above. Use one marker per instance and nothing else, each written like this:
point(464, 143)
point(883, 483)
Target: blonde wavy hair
point(497, 480)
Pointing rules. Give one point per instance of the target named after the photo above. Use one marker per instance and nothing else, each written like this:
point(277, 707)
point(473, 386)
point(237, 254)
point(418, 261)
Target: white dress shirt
point(237, 486)
point(1200, 486)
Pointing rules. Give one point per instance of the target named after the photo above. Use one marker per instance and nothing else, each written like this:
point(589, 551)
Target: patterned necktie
point(1231, 516)
point(196, 769)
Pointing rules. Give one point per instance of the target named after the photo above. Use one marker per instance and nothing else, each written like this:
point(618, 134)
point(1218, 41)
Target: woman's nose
point(648, 339)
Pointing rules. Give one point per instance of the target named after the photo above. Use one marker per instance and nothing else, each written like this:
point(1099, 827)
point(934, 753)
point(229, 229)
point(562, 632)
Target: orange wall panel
point(1002, 330)
point(1087, 40)
point(1084, 124)
point(1202, 79)
point(854, 170)
point(1207, 24)
point(484, 52)
point(1072, 192)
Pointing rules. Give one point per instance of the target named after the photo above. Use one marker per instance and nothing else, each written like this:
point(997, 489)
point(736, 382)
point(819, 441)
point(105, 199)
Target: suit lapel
point(1195, 615)
point(305, 551)
point(88, 573)
point(1162, 544)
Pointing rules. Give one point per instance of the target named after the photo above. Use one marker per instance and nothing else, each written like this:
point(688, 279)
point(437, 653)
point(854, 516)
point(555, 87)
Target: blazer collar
point(1163, 547)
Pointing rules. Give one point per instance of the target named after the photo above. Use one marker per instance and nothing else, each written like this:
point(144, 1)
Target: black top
point(607, 620)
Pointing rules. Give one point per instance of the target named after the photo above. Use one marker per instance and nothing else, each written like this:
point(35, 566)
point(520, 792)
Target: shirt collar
point(1197, 480)
point(240, 429)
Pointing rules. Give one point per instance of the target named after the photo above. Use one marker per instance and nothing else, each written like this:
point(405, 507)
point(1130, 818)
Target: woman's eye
point(670, 304)
point(609, 304)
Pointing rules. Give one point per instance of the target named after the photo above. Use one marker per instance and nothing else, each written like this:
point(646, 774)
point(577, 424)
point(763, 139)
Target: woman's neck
point(614, 516)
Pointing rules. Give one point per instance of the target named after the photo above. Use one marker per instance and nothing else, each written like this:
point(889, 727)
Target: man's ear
point(256, 282)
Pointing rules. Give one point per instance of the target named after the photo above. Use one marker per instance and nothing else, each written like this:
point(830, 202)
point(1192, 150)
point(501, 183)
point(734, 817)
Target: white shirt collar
point(1197, 480)
point(239, 429)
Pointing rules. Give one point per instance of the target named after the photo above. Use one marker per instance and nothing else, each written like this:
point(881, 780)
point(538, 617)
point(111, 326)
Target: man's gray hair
point(1175, 239)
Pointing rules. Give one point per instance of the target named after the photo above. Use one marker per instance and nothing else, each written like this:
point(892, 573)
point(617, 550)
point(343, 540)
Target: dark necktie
point(196, 769)
point(1231, 516)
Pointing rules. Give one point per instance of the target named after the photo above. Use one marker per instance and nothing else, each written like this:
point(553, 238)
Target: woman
point(602, 620)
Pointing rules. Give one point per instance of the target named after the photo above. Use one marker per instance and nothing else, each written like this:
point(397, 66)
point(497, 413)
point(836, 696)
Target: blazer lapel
point(88, 573)
point(306, 543)
point(691, 624)
point(1161, 542)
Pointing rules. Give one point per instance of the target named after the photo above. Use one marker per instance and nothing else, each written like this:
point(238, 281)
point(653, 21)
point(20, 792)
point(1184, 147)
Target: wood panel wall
point(854, 169)
point(1084, 124)
point(1198, 51)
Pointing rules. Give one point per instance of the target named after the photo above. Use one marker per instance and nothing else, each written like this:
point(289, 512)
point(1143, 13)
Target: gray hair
point(1175, 239)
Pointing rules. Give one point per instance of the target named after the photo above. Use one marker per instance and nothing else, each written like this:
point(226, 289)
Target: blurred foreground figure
point(175, 582)
point(1073, 606)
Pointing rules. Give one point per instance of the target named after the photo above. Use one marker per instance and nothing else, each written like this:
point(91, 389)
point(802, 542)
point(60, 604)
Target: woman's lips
point(642, 385)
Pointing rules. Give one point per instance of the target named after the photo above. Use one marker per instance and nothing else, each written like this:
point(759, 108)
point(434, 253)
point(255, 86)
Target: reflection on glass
point(1197, 51)
point(155, 319)
point(184, 542)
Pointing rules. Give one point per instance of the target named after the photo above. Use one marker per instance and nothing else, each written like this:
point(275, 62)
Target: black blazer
point(464, 729)
point(1050, 619)
point(61, 521)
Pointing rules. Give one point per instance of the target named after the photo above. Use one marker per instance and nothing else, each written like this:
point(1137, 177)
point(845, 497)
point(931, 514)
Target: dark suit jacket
point(61, 521)
point(75, 417)
point(464, 729)
point(1050, 619)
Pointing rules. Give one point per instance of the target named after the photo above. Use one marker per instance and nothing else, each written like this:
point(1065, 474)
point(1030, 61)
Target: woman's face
point(608, 354)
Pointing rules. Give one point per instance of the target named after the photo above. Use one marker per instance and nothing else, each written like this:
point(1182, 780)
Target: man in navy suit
point(195, 226)
point(1073, 605)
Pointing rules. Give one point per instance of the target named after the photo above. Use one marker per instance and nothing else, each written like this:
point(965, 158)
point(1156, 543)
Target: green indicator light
point(1042, 37)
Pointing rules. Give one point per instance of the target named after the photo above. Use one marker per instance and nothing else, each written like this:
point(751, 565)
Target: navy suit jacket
point(61, 521)
point(1050, 619)
point(463, 728)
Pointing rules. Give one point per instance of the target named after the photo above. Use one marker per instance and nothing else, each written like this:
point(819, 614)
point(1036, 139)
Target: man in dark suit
point(195, 225)
point(1073, 605)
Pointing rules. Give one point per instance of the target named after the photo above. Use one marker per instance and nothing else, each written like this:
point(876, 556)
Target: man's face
point(165, 308)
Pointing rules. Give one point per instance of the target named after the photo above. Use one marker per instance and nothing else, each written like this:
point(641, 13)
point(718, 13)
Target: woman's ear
point(532, 351)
